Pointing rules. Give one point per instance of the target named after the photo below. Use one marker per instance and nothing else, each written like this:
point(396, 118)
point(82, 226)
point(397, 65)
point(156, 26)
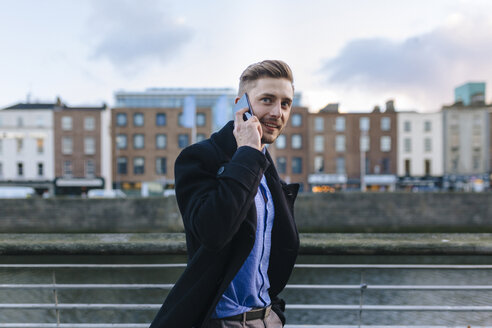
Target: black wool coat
point(216, 184)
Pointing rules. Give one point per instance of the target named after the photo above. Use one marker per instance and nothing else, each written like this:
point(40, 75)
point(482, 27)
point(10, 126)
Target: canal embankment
point(320, 213)
point(311, 243)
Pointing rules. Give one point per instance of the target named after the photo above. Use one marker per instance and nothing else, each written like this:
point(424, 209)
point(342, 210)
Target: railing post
point(363, 286)
point(57, 310)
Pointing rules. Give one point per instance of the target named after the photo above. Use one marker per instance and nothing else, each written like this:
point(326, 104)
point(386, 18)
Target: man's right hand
point(247, 133)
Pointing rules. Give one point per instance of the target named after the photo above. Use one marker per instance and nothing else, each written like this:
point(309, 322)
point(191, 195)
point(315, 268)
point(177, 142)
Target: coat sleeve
point(214, 197)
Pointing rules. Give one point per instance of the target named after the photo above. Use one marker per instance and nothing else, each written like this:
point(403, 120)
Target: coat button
point(221, 170)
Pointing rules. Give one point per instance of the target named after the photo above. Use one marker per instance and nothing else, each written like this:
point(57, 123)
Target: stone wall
point(339, 212)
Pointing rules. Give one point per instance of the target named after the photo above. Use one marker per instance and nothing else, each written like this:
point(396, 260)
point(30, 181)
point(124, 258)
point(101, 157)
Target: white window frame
point(66, 123)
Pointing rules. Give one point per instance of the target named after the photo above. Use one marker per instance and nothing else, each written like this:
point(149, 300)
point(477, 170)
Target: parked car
point(103, 193)
point(16, 192)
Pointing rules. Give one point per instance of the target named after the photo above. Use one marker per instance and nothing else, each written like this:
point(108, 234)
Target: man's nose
point(276, 110)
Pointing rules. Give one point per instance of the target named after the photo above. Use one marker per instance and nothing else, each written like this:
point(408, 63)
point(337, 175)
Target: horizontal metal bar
point(146, 325)
point(92, 266)
point(438, 308)
point(86, 286)
point(300, 266)
point(392, 287)
point(74, 325)
point(142, 307)
point(77, 306)
point(292, 286)
point(395, 266)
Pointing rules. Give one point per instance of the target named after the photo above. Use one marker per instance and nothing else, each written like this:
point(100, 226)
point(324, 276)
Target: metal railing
point(361, 307)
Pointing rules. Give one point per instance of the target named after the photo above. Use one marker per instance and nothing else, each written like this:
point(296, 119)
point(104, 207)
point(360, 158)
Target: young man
point(241, 236)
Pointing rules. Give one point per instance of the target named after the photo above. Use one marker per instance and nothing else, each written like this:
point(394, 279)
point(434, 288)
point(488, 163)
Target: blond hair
point(276, 69)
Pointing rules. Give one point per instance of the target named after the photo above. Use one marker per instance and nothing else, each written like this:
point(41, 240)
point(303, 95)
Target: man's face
point(271, 100)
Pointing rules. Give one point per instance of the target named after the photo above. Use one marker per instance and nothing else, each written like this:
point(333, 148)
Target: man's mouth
point(270, 125)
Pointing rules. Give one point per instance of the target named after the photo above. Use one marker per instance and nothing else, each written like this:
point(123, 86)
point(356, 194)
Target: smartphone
point(241, 103)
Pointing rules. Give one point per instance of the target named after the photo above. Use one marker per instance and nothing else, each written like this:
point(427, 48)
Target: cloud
point(426, 66)
point(132, 33)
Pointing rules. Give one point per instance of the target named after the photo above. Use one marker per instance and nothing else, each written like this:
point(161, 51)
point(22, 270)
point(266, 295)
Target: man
point(241, 236)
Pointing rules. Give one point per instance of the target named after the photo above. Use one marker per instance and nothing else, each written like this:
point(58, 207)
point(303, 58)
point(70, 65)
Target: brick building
point(147, 142)
point(80, 148)
point(342, 145)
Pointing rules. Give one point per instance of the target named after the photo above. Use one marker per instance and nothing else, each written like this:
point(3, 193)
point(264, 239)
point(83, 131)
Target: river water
point(330, 276)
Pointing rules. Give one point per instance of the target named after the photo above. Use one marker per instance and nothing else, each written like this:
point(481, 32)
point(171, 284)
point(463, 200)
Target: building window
point(407, 126)
point(319, 124)
point(364, 143)
point(427, 165)
point(183, 140)
point(319, 164)
point(296, 141)
point(385, 123)
point(1, 145)
point(1, 170)
point(201, 119)
point(20, 145)
point(340, 143)
point(66, 122)
point(281, 165)
point(122, 165)
point(407, 145)
point(296, 165)
point(40, 145)
point(20, 122)
point(67, 168)
point(200, 137)
point(296, 120)
point(67, 145)
point(367, 166)
point(281, 142)
point(160, 119)
point(40, 121)
point(20, 169)
point(476, 162)
point(407, 167)
point(340, 124)
point(428, 145)
point(40, 169)
point(427, 126)
point(319, 143)
point(386, 165)
point(138, 119)
point(89, 123)
point(161, 141)
point(180, 119)
point(138, 165)
point(340, 165)
point(89, 146)
point(90, 168)
point(138, 141)
point(385, 143)
point(121, 119)
point(121, 141)
point(161, 165)
point(364, 123)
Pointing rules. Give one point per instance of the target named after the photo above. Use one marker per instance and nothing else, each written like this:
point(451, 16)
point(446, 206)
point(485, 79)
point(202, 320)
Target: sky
point(357, 53)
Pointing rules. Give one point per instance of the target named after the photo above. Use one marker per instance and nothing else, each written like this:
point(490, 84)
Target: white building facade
point(420, 145)
point(26, 146)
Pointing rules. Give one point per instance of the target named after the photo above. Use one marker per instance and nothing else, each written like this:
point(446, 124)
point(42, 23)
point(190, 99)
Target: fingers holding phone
point(247, 132)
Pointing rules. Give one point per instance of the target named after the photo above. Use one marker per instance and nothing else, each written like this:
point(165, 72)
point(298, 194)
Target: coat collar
point(225, 140)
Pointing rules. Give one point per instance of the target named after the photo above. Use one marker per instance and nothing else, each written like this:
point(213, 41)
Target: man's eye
point(266, 100)
point(285, 104)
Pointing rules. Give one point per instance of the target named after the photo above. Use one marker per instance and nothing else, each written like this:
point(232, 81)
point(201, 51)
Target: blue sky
point(355, 52)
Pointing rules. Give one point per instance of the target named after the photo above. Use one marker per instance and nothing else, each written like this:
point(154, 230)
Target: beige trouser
point(272, 321)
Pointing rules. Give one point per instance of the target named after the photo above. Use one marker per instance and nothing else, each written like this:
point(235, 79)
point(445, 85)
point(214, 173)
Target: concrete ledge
point(174, 243)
